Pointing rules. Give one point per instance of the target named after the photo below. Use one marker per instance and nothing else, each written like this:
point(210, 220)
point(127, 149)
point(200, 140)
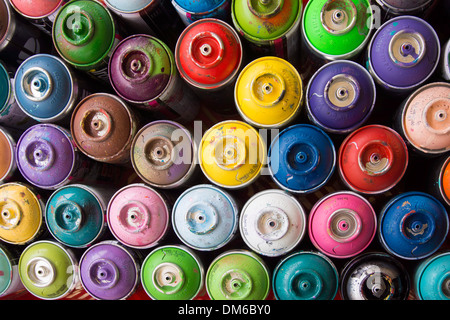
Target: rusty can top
point(103, 127)
point(425, 118)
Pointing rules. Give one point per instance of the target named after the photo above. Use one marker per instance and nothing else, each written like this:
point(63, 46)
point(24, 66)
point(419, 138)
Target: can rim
point(124, 249)
point(9, 257)
point(71, 99)
point(9, 31)
point(396, 10)
point(355, 126)
point(233, 204)
point(193, 13)
point(91, 192)
point(194, 159)
point(369, 54)
point(446, 164)
point(10, 93)
point(12, 145)
point(302, 215)
point(179, 247)
point(114, 9)
point(422, 267)
point(58, 6)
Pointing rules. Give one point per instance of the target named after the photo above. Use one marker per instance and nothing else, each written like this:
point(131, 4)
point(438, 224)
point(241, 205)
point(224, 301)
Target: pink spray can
point(342, 224)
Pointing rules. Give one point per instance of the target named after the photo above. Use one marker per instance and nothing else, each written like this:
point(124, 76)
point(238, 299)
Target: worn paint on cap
point(21, 214)
point(232, 154)
point(269, 93)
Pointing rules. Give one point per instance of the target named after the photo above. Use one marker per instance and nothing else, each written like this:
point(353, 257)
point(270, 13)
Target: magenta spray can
point(138, 216)
point(342, 224)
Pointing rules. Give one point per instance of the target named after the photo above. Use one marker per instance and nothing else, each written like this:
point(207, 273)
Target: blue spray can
point(432, 278)
point(190, 11)
point(413, 225)
point(305, 276)
point(205, 218)
point(302, 158)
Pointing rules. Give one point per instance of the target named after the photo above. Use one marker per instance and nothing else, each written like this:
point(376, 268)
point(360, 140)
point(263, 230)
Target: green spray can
point(334, 30)
point(172, 272)
point(238, 275)
point(84, 34)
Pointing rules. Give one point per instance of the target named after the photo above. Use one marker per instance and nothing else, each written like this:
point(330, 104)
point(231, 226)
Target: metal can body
point(110, 271)
point(302, 158)
point(372, 159)
point(103, 127)
point(164, 154)
point(138, 216)
point(76, 214)
point(205, 217)
point(10, 282)
point(337, 29)
point(375, 276)
point(232, 154)
point(208, 56)
point(238, 275)
point(18, 38)
point(48, 270)
point(143, 72)
point(305, 275)
point(403, 53)
point(11, 115)
point(172, 273)
point(270, 28)
point(423, 120)
point(394, 8)
point(413, 225)
point(190, 12)
point(154, 17)
point(47, 158)
point(84, 34)
point(22, 219)
point(431, 279)
point(41, 13)
point(340, 96)
point(46, 89)
point(269, 93)
point(445, 61)
point(8, 162)
point(272, 223)
point(342, 224)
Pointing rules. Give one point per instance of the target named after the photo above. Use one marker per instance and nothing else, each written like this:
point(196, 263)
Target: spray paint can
point(190, 12)
point(232, 154)
point(41, 13)
point(374, 276)
point(48, 159)
point(302, 158)
point(164, 154)
point(21, 217)
point(8, 161)
point(372, 159)
point(208, 56)
point(394, 8)
point(333, 30)
point(47, 90)
point(110, 271)
point(423, 120)
point(103, 127)
point(84, 35)
point(432, 279)
point(341, 96)
point(269, 27)
point(269, 93)
point(154, 17)
point(9, 275)
point(403, 53)
point(11, 115)
point(172, 273)
point(305, 275)
point(272, 223)
point(238, 275)
point(138, 216)
point(342, 224)
point(413, 225)
point(76, 214)
point(49, 270)
point(445, 61)
point(205, 218)
point(143, 72)
point(18, 38)
point(440, 180)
